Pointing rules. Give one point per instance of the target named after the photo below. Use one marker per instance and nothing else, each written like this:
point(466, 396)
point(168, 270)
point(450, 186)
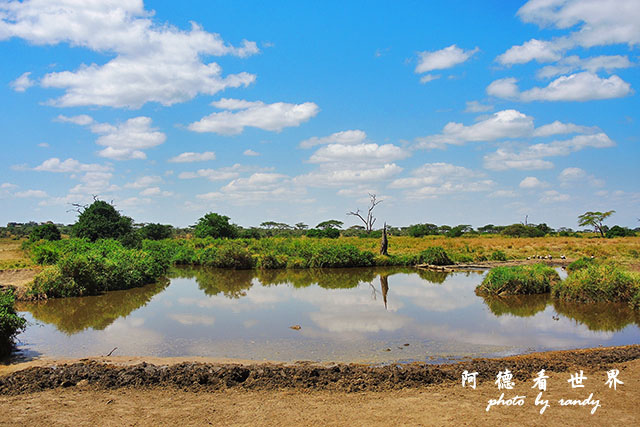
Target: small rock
point(387, 349)
point(82, 383)
point(295, 327)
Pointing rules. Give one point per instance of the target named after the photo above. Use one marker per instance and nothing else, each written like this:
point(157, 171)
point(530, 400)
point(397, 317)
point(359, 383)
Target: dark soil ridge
point(304, 375)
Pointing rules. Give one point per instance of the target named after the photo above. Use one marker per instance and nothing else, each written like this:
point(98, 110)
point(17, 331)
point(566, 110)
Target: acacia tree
point(332, 223)
point(369, 220)
point(100, 220)
point(594, 219)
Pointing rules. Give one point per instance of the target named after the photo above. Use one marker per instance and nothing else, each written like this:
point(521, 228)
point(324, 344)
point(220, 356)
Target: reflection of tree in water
point(517, 305)
point(384, 285)
point(600, 316)
point(213, 281)
point(72, 315)
point(328, 278)
point(432, 276)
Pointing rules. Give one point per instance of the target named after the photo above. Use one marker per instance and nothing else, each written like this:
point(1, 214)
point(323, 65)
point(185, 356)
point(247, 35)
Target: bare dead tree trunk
point(384, 244)
point(370, 219)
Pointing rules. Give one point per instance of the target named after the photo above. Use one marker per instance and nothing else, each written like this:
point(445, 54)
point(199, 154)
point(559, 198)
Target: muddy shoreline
point(197, 376)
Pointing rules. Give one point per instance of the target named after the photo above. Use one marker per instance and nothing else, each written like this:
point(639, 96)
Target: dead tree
point(384, 243)
point(370, 219)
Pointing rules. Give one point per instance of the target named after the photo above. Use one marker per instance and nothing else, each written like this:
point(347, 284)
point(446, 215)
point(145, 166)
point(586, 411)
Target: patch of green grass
point(599, 283)
point(436, 255)
point(10, 323)
point(580, 263)
point(527, 279)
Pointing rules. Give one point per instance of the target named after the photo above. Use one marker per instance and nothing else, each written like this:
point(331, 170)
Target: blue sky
point(450, 112)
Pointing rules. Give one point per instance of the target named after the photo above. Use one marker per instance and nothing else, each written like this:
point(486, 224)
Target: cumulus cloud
point(357, 174)
point(429, 78)
point(272, 117)
point(69, 165)
point(584, 86)
point(443, 58)
point(190, 157)
point(155, 191)
point(249, 152)
point(365, 153)
point(258, 187)
point(144, 181)
point(533, 50)
point(28, 194)
point(435, 179)
point(594, 64)
point(124, 141)
point(557, 128)
point(532, 182)
point(571, 176)
point(599, 22)
point(346, 137)
point(153, 62)
point(476, 107)
point(553, 196)
point(533, 156)
point(220, 174)
point(22, 83)
point(502, 124)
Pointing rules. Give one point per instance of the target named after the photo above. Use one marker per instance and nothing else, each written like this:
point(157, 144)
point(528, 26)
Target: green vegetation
point(435, 255)
point(517, 305)
point(529, 279)
point(155, 231)
point(10, 323)
point(46, 231)
point(100, 220)
point(78, 267)
point(600, 282)
point(216, 226)
point(580, 263)
point(594, 219)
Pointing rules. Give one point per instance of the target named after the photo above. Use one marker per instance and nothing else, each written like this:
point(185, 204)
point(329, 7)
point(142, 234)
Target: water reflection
point(345, 314)
point(72, 315)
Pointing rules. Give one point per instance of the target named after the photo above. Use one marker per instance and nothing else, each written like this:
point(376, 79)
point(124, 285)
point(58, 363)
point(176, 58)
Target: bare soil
point(18, 280)
point(188, 393)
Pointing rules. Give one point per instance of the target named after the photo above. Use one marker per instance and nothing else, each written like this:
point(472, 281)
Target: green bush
point(216, 226)
point(10, 323)
point(435, 255)
point(45, 232)
point(579, 264)
point(529, 279)
point(100, 220)
point(498, 255)
point(599, 282)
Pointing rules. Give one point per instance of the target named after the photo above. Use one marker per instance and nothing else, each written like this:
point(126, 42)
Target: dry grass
point(12, 256)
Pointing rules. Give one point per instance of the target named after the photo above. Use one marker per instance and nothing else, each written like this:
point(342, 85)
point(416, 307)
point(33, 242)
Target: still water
point(367, 315)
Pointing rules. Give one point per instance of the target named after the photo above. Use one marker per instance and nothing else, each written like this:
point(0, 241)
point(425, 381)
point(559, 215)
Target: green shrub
point(100, 220)
point(599, 282)
point(529, 279)
point(51, 283)
point(216, 226)
point(579, 264)
point(498, 255)
point(45, 232)
point(10, 323)
point(435, 255)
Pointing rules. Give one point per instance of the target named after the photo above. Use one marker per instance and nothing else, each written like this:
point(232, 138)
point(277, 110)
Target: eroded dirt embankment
point(339, 377)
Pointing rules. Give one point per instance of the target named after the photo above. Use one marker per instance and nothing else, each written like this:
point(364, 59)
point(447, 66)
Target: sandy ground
point(436, 405)
point(447, 403)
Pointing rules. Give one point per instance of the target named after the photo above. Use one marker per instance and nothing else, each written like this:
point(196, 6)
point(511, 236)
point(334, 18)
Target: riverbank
point(111, 392)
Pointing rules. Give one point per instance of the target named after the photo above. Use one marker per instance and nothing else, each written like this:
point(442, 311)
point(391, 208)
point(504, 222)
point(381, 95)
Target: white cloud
point(533, 156)
point(153, 62)
point(435, 179)
point(355, 174)
point(81, 120)
point(220, 174)
point(429, 78)
point(346, 137)
point(8, 186)
point(594, 64)
point(272, 117)
point(192, 319)
point(190, 157)
point(367, 153)
point(502, 124)
point(443, 59)
point(94, 182)
point(476, 107)
point(144, 181)
point(68, 166)
point(503, 194)
point(155, 191)
point(249, 152)
point(553, 196)
point(504, 88)
point(533, 50)
point(572, 174)
point(126, 140)
point(584, 86)
point(532, 182)
point(258, 187)
point(558, 128)
point(599, 22)
point(22, 83)
point(39, 194)
point(43, 145)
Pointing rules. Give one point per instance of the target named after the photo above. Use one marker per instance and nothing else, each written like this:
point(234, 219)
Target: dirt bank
point(399, 400)
point(198, 376)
